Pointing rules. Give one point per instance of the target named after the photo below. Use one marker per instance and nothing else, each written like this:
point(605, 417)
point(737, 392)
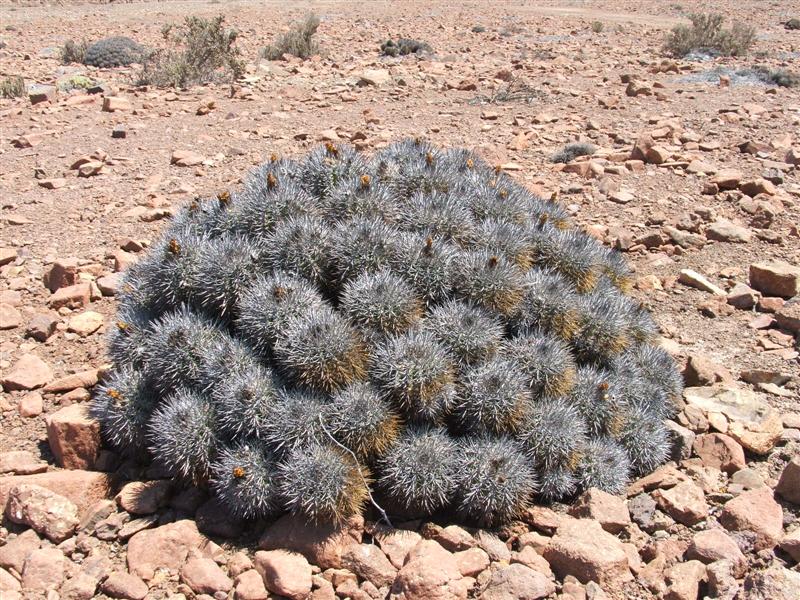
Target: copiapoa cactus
point(413, 328)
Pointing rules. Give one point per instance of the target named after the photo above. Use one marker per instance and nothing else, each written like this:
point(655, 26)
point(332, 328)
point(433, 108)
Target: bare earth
point(571, 84)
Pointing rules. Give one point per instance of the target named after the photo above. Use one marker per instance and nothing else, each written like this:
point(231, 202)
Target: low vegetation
point(572, 151)
point(12, 86)
point(74, 52)
point(779, 77)
point(298, 41)
point(706, 33)
point(202, 51)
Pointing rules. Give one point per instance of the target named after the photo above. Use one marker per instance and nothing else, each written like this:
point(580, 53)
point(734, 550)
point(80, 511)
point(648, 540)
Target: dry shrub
point(298, 41)
point(74, 52)
point(203, 51)
point(12, 86)
point(707, 33)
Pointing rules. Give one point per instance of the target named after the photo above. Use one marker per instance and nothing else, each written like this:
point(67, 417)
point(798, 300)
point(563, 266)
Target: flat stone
point(16, 550)
point(698, 281)
point(377, 77)
point(74, 437)
point(82, 379)
point(583, 549)
point(29, 372)
point(46, 512)
point(789, 482)
point(775, 278)
point(430, 573)
point(83, 488)
point(753, 423)
point(204, 576)
point(370, 563)
point(723, 230)
point(124, 586)
point(713, 545)
point(608, 510)
point(73, 296)
point(685, 502)
point(10, 317)
point(727, 179)
point(44, 570)
point(517, 582)
point(756, 511)
point(21, 462)
point(719, 451)
point(285, 573)
point(165, 547)
point(85, 323)
point(186, 158)
point(321, 544)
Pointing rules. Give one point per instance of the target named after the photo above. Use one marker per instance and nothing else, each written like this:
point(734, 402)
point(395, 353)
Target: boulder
point(74, 437)
point(46, 512)
point(756, 511)
point(164, 547)
point(430, 573)
point(285, 573)
point(517, 582)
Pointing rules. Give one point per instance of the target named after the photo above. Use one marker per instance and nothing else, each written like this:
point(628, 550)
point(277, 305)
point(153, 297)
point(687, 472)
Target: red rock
point(9, 585)
point(641, 147)
point(756, 511)
point(115, 104)
point(85, 323)
point(727, 179)
point(775, 278)
point(368, 562)
point(713, 545)
point(791, 544)
point(124, 586)
point(44, 570)
point(83, 379)
point(285, 573)
point(684, 580)
point(10, 317)
point(62, 273)
point(608, 510)
point(430, 573)
point(81, 586)
point(7, 255)
point(30, 405)
point(30, 372)
point(788, 317)
point(73, 296)
point(743, 296)
point(582, 548)
point(321, 544)
point(16, 550)
point(21, 462)
point(719, 451)
point(529, 557)
point(472, 561)
point(204, 576)
point(41, 326)
point(789, 483)
point(454, 538)
point(517, 582)
point(186, 158)
point(685, 502)
point(46, 512)
point(250, 586)
point(109, 284)
point(754, 187)
point(663, 477)
point(700, 370)
point(74, 437)
point(397, 543)
point(84, 488)
point(164, 547)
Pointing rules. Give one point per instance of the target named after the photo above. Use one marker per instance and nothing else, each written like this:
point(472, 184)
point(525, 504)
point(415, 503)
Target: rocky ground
point(695, 178)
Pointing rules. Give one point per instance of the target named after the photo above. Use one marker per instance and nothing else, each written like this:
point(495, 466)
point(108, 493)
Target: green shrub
point(779, 77)
point(707, 33)
point(298, 41)
point(597, 27)
point(74, 52)
point(203, 51)
point(12, 86)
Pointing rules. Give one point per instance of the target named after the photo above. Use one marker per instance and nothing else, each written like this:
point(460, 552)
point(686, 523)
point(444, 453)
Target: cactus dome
point(413, 328)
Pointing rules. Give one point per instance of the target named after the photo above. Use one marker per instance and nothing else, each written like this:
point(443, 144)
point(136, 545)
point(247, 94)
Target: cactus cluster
point(118, 51)
point(413, 328)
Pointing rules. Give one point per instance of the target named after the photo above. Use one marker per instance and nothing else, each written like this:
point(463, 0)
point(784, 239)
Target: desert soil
point(672, 183)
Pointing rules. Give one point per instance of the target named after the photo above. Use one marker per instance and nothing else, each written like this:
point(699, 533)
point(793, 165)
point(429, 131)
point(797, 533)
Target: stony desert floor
point(696, 178)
